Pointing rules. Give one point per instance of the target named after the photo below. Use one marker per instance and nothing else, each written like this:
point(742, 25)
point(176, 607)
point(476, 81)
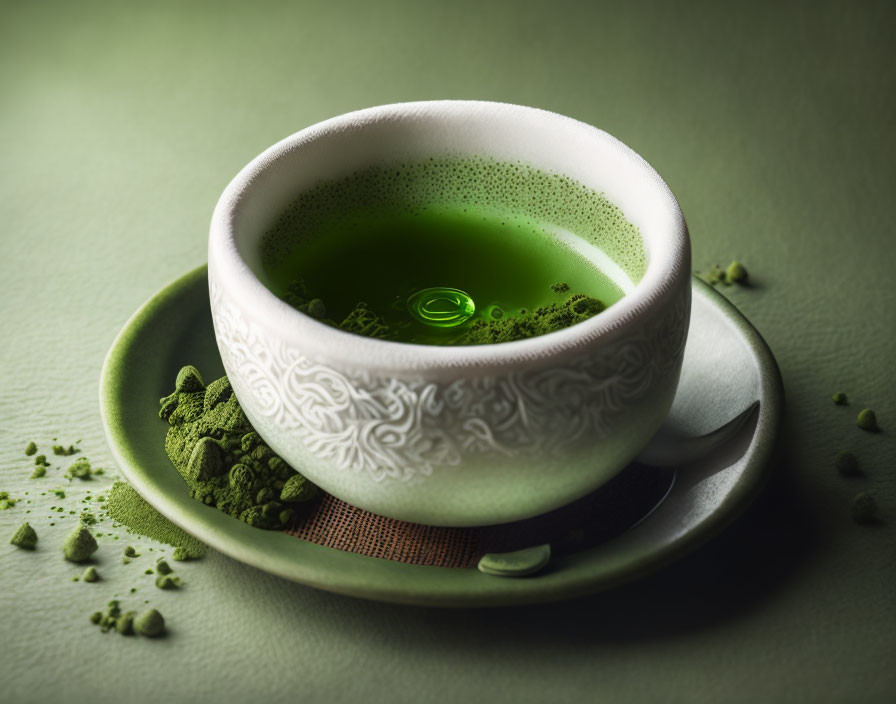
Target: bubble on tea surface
point(441, 306)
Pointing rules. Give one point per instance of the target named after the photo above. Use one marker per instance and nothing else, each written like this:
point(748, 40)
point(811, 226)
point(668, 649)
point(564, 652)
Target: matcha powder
point(223, 460)
point(127, 507)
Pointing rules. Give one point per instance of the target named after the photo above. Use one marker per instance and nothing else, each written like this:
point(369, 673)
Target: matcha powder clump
point(223, 460)
point(79, 545)
point(150, 623)
point(25, 537)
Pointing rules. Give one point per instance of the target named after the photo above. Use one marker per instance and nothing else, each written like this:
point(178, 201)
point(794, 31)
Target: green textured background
point(121, 124)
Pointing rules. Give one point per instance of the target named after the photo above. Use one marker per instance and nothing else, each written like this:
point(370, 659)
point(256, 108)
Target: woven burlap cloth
point(589, 521)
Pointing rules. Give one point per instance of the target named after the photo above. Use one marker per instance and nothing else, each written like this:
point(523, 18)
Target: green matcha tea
point(454, 252)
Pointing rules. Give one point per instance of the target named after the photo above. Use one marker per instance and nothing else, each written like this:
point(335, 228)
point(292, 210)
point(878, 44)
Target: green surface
point(119, 127)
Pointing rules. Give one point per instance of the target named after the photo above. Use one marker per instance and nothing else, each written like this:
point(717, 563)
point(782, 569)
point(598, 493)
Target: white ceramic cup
point(466, 435)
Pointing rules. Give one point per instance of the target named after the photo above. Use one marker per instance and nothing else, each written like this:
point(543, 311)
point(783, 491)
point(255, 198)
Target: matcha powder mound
point(25, 537)
point(150, 623)
point(223, 460)
point(127, 507)
point(79, 545)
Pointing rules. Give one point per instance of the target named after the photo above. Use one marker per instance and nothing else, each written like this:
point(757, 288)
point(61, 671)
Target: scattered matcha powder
point(840, 399)
point(30, 448)
point(41, 460)
point(549, 318)
point(734, 273)
point(6, 501)
point(79, 545)
point(39, 471)
point(150, 623)
point(166, 581)
point(163, 567)
point(65, 451)
point(129, 551)
point(128, 508)
point(866, 420)
point(108, 619)
point(90, 575)
point(714, 276)
point(25, 537)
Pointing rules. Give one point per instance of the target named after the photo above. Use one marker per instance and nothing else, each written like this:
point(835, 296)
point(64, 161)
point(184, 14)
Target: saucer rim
point(568, 576)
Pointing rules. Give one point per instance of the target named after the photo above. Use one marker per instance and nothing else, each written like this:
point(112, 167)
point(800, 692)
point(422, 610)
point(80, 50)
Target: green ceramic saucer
point(727, 368)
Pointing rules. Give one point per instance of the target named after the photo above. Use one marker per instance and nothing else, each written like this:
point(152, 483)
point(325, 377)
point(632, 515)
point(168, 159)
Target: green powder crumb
point(222, 459)
point(39, 471)
point(41, 460)
point(6, 501)
point(714, 276)
point(65, 451)
point(90, 575)
point(124, 624)
point(30, 448)
point(60, 494)
point(840, 399)
point(130, 551)
point(166, 581)
point(864, 508)
point(543, 320)
point(25, 537)
point(736, 273)
point(163, 567)
point(847, 464)
point(562, 287)
point(81, 469)
point(89, 519)
point(79, 545)
point(109, 619)
point(867, 420)
point(125, 560)
point(128, 508)
point(150, 623)
point(182, 555)
point(363, 321)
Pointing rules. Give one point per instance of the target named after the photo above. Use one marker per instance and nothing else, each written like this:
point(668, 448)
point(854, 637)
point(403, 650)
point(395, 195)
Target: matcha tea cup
point(463, 435)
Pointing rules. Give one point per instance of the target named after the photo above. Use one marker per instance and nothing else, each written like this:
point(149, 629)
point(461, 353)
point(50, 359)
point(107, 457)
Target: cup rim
point(323, 341)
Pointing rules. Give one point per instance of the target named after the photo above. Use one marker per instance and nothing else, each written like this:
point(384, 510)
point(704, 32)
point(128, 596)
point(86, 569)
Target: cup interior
point(598, 196)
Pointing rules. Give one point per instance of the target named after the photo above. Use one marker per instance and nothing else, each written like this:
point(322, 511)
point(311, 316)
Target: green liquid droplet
point(441, 307)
